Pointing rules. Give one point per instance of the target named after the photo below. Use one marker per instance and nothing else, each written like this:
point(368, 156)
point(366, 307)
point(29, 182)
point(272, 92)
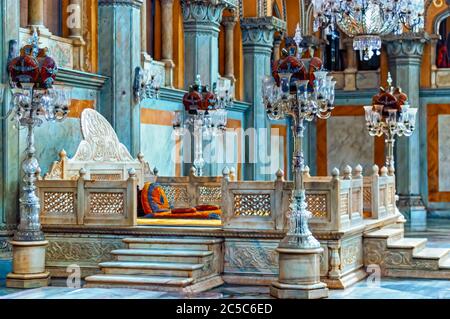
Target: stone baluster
point(167, 40)
point(229, 23)
point(352, 68)
point(279, 175)
point(307, 172)
point(347, 172)
point(358, 172)
point(335, 261)
point(76, 33)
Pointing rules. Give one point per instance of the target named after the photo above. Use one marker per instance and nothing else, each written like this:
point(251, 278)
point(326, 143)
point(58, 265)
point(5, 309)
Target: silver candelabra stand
point(390, 120)
point(205, 112)
point(30, 108)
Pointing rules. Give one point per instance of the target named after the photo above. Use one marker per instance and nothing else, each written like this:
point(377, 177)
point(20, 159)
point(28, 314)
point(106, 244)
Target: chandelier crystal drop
point(367, 20)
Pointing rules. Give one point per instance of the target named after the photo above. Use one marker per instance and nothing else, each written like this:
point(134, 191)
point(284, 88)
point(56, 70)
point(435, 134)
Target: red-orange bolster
point(204, 208)
point(184, 211)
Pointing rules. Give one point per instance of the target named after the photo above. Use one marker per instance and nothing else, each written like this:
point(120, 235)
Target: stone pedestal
point(28, 265)
point(299, 276)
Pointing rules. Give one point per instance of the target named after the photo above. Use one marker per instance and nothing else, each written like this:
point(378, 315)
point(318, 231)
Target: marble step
point(389, 234)
point(172, 243)
point(134, 280)
point(445, 263)
point(152, 269)
point(154, 283)
point(414, 244)
point(163, 255)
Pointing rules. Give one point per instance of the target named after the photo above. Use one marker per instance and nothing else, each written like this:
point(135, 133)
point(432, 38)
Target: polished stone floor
point(437, 232)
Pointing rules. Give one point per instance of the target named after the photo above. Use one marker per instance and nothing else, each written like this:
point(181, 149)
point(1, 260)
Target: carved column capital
point(407, 45)
point(131, 3)
point(229, 22)
point(204, 15)
point(260, 31)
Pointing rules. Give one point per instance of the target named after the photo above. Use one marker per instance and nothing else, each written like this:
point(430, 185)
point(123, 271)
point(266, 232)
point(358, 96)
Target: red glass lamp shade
point(196, 100)
point(32, 67)
point(390, 101)
point(301, 69)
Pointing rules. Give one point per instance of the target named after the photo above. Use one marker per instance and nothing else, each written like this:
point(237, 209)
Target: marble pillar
point(352, 67)
point(119, 31)
point(258, 39)
point(36, 16)
point(277, 47)
point(167, 39)
point(405, 57)
point(144, 53)
point(229, 23)
point(76, 34)
point(201, 21)
point(10, 170)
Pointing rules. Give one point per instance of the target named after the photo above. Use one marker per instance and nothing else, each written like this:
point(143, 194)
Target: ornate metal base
point(300, 241)
point(35, 235)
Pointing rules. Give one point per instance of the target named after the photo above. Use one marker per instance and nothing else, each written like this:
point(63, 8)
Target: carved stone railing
point(252, 205)
point(379, 194)
point(88, 202)
point(335, 203)
point(192, 190)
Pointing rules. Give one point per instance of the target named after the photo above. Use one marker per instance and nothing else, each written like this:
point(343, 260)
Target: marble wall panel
point(444, 152)
point(158, 147)
point(348, 143)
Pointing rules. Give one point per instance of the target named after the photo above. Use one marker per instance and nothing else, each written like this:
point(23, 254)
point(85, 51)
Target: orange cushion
point(154, 199)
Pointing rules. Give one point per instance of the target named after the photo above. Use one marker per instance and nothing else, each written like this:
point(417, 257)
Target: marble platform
point(389, 288)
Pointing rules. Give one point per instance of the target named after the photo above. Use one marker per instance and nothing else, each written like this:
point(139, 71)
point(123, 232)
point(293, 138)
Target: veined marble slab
point(348, 143)
point(444, 152)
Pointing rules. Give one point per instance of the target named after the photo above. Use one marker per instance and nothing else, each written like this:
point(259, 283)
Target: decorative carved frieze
point(254, 256)
point(79, 250)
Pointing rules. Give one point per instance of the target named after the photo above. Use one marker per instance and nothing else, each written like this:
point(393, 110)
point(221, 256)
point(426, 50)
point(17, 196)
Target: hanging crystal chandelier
point(367, 20)
point(301, 90)
point(205, 113)
point(391, 116)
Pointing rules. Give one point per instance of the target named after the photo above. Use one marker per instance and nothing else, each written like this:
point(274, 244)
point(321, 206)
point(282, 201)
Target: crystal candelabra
point(391, 116)
point(367, 20)
point(34, 101)
point(301, 90)
point(204, 112)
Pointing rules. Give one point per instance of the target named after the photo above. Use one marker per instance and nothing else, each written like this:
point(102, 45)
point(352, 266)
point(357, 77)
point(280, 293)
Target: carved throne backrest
point(100, 154)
